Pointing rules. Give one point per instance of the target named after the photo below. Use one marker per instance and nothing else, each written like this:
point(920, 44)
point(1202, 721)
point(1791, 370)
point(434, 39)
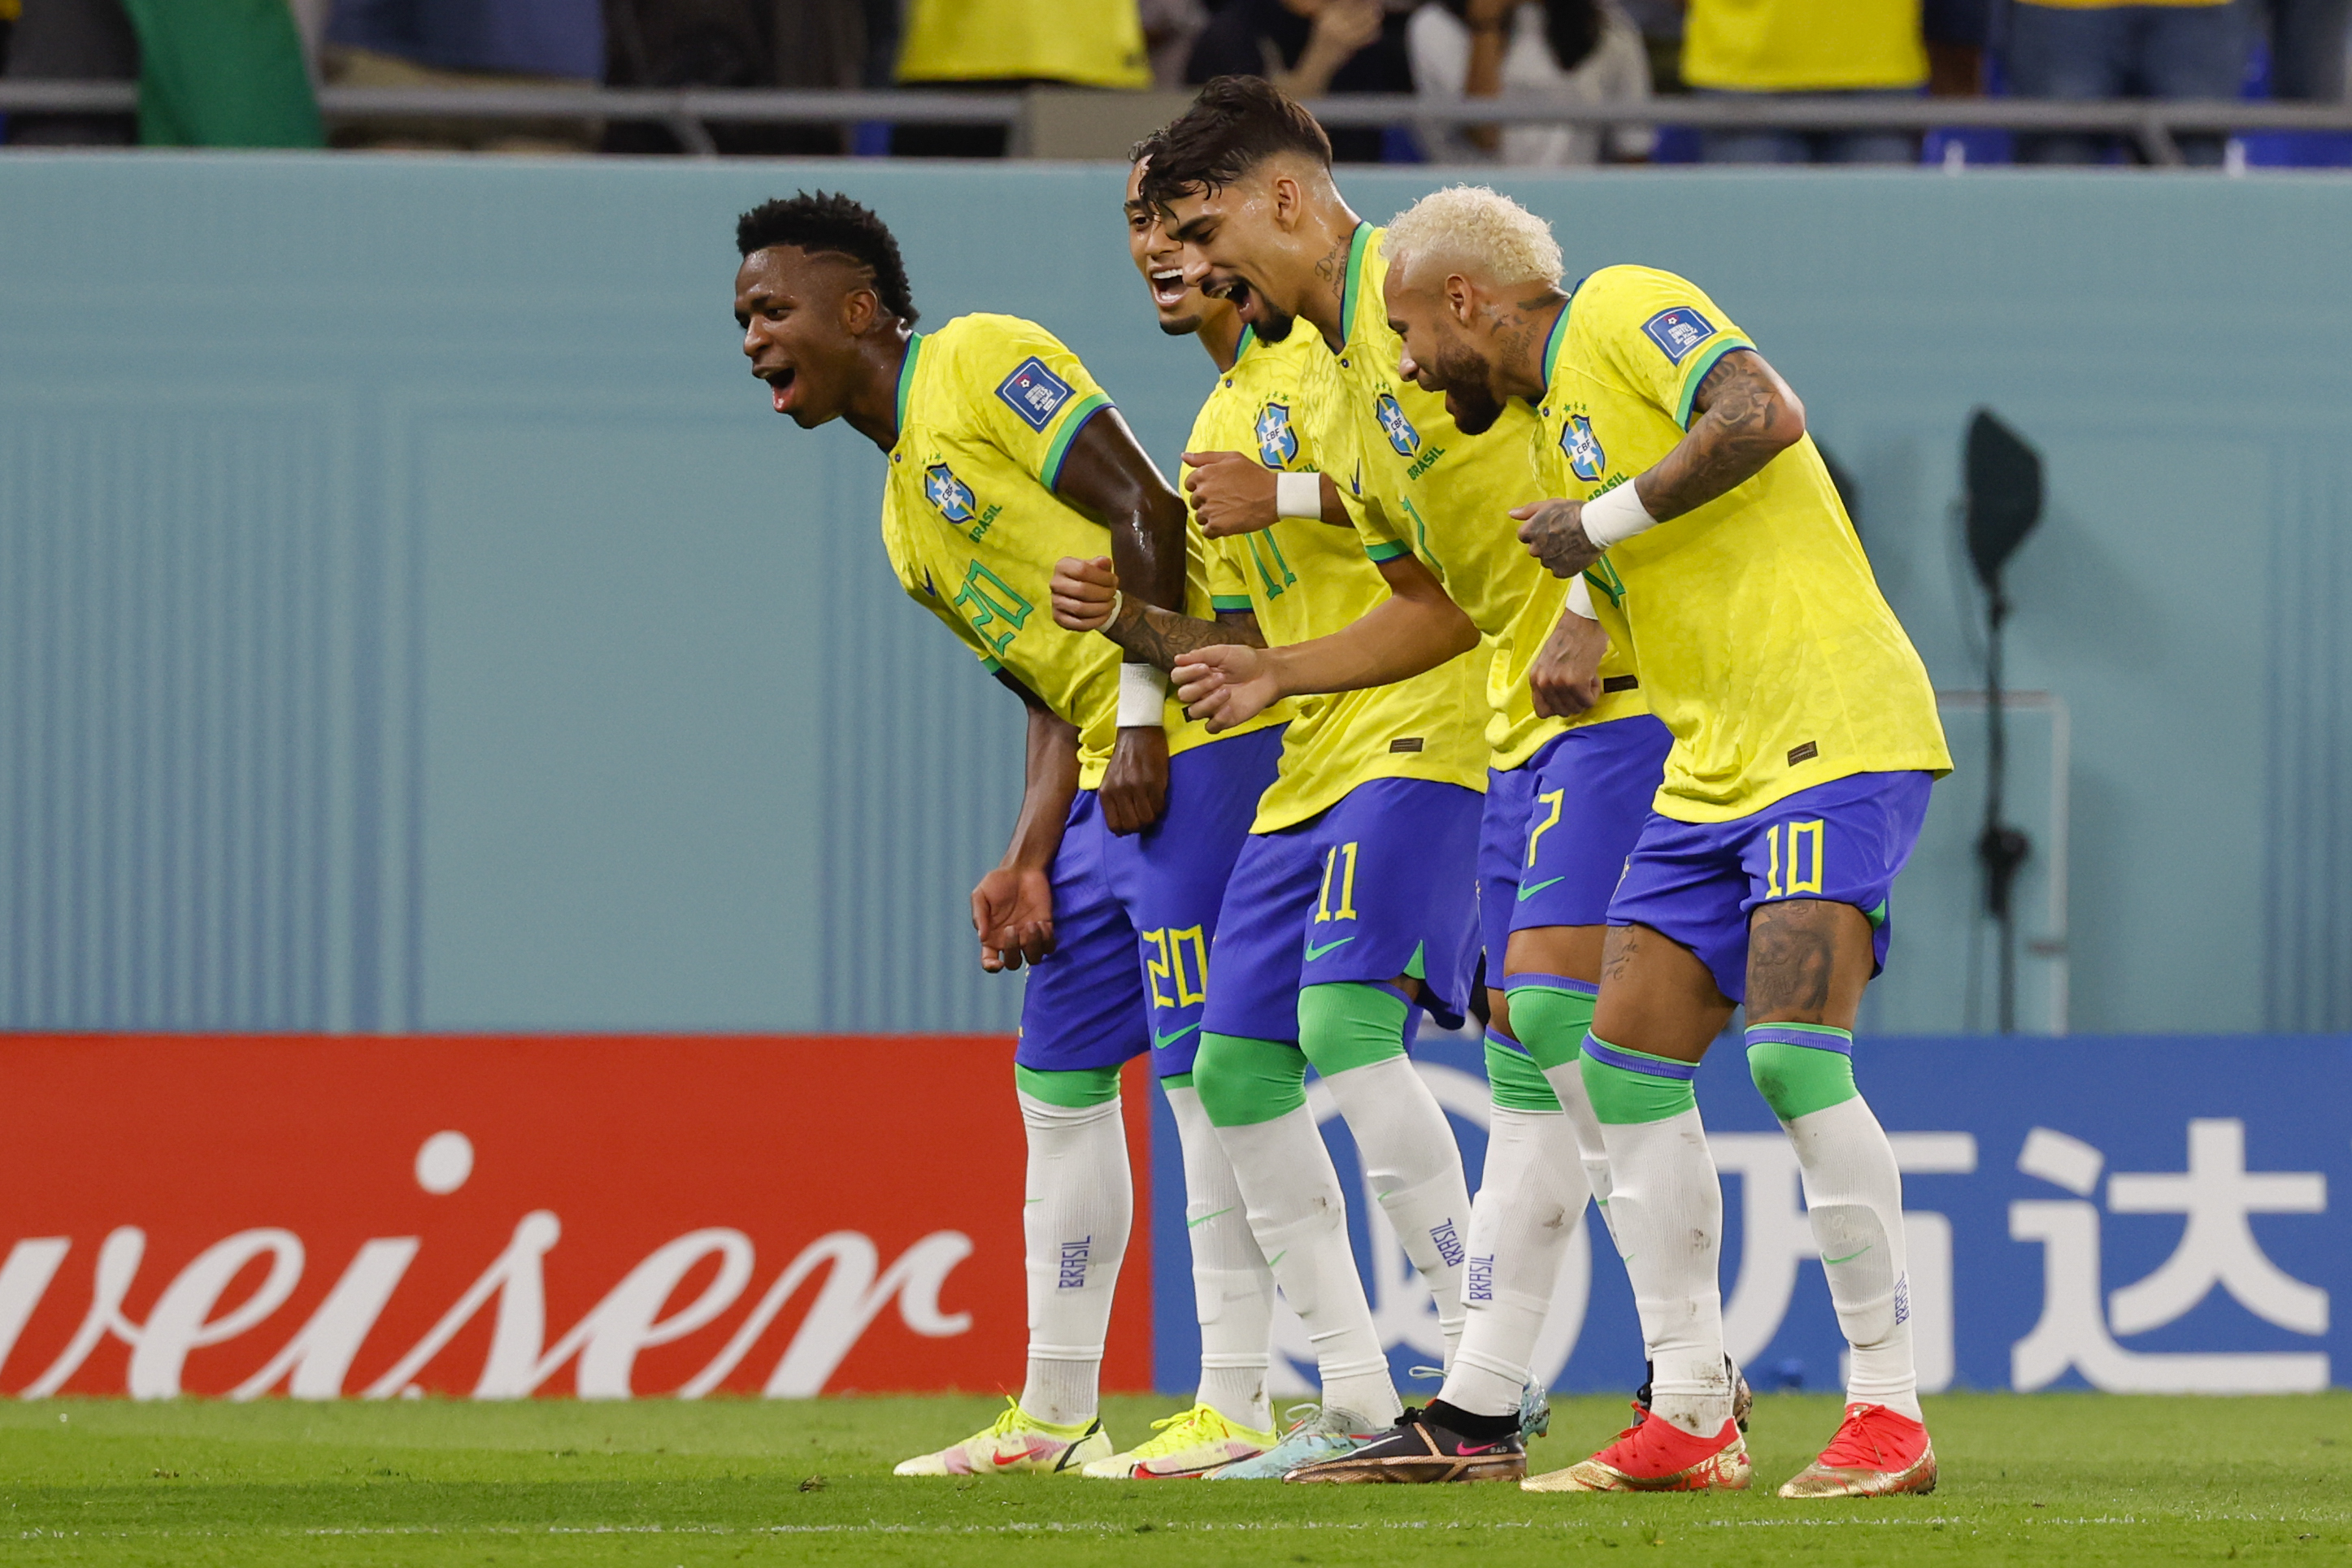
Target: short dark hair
point(1236, 123)
point(833, 224)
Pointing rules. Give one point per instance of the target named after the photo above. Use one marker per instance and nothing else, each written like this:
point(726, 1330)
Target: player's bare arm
point(1232, 492)
point(1086, 597)
point(1565, 676)
point(1416, 629)
point(1747, 416)
point(1108, 477)
point(1013, 906)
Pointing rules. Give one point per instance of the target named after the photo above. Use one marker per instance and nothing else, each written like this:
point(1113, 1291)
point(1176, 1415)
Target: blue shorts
point(1153, 895)
point(1560, 826)
point(1843, 841)
point(1355, 894)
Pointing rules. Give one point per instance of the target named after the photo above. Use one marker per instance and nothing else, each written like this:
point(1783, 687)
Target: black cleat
point(1417, 1451)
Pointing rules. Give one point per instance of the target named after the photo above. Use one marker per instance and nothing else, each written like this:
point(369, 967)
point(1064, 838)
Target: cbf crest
point(1277, 443)
point(951, 494)
point(1583, 448)
point(1400, 432)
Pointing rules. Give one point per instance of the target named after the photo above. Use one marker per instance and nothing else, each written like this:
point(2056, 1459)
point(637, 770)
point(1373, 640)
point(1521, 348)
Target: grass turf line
point(2065, 1478)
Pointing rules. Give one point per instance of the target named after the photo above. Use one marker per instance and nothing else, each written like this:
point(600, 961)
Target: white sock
point(1414, 1163)
point(1074, 1223)
point(1568, 1082)
point(1666, 1211)
point(1232, 1287)
point(1854, 1196)
point(1529, 1201)
point(1300, 1219)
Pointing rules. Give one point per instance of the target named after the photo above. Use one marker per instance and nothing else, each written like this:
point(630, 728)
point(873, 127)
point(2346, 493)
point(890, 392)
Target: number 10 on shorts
point(1802, 849)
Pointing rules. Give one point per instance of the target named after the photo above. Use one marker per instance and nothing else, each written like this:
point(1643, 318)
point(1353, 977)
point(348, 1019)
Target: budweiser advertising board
point(497, 1217)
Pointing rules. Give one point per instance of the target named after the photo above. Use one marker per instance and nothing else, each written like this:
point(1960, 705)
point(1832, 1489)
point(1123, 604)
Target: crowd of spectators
point(242, 72)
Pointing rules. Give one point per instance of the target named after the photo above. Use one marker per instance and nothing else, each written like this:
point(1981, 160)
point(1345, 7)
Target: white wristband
point(1579, 598)
point(1142, 696)
point(1298, 495)
point(1615, 515)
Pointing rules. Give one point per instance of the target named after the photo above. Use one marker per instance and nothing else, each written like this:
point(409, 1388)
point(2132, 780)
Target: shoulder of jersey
point(983, 327)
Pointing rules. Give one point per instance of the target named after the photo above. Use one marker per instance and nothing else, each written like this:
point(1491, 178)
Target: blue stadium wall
point(413, 618)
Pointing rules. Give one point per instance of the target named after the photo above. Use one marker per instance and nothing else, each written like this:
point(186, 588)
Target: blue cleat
point(1322, 1432)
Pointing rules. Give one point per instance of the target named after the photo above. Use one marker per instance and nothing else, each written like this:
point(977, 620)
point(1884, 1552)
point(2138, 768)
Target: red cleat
point(1876, 1453)
point(1655, 1455)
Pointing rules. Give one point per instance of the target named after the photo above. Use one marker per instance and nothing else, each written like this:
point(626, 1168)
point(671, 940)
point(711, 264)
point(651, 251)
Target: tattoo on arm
point(1748, 417)
point(1160, 637)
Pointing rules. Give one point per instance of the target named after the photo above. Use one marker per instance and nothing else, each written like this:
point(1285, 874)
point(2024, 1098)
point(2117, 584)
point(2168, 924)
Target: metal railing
point(2154, 126)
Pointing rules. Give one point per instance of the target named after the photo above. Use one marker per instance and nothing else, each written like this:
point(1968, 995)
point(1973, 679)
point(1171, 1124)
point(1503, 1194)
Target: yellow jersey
point(1763, 642)
point(1445, 497)
point(1304, 579)
point(1815, 45)
point(988, 406)
point(1092, 43)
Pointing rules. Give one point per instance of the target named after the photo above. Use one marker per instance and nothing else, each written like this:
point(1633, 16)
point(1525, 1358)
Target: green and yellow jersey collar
point(1351, 292)
point(1556, 339)
point(907, 378)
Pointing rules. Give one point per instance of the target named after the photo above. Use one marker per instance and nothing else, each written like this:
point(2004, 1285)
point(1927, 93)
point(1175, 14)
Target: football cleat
point(1189, 1445)
point(1743, 1398)
point(1321, 1432)
point(1535, 1414)
point(1876, 1453)
point(1017, 1444)
point(1653, 1455)
point(1417, 1450)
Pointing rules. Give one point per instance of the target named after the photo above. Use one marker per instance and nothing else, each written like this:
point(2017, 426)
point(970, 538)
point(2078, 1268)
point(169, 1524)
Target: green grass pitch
point(2070, 1479)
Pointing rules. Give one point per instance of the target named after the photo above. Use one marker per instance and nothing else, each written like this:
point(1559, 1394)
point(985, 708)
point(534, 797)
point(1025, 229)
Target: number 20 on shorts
point(1165, 958)
point(1797, 848)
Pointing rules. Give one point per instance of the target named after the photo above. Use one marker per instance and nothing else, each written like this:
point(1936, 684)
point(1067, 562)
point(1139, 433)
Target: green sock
point(1550, 1014)
point(1243, 1081)
point(1629, 1087)
point(1516, 1082)
point(1074, 1091)
point(1352, 1024)
point(1800, 1068)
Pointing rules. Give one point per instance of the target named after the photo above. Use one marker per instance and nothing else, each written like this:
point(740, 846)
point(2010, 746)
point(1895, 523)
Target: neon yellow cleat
point(1187, 1447)
point(1018, 1443)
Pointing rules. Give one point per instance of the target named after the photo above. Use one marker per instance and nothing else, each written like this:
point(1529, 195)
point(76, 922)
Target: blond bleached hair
point(1476, 230)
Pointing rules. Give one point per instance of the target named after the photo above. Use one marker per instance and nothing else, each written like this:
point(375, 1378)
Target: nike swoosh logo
point(1164, 1041)
point(1468, 1450)
point(1313, 952)
point(1192, 1224)
point(1277, 1258)
point(1527, 893)
point(1832, 1262)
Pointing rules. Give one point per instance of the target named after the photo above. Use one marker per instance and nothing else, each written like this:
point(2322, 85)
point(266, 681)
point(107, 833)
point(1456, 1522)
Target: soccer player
point(1353, 904)
point(1805, 741)
point(1245, 181)
point(1004, 456)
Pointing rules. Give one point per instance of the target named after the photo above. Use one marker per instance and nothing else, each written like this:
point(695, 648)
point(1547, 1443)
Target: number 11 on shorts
point(1340, 858)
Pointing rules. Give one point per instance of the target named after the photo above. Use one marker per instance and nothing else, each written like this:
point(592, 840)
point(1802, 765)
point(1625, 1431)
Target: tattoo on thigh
point(1617, 956)
point(1790, 953)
